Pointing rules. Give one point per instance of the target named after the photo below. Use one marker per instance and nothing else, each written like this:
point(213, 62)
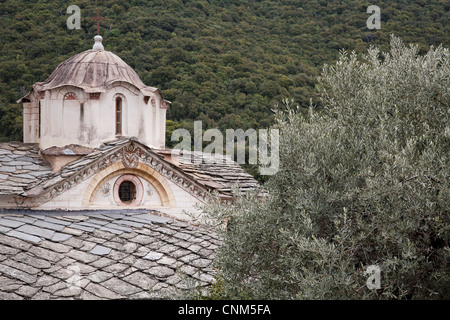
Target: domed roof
point(94, 71)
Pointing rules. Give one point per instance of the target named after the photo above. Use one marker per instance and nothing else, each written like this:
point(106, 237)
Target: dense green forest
point(225, 62)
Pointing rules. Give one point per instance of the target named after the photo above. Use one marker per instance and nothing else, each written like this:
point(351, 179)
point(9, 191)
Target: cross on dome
point(98, 38)
point(98, 18)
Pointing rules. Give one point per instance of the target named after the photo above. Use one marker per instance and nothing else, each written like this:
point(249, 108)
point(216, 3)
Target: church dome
point(94, 71)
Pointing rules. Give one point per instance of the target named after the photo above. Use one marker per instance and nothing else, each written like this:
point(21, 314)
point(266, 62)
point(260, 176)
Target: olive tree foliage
point(363, 182)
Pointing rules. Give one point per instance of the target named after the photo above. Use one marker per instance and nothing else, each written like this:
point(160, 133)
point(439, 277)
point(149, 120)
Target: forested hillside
point(225, 62)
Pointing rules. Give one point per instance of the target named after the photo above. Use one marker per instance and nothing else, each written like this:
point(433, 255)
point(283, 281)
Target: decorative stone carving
point(130, 154)
point(105, 189)
point(150, 190)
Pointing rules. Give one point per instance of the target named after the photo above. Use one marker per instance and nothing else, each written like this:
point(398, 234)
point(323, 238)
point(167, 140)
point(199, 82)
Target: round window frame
point(131, 196)
point(139, 190)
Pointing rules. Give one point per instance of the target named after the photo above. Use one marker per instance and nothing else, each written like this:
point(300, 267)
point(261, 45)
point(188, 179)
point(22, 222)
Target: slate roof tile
point(99, 264)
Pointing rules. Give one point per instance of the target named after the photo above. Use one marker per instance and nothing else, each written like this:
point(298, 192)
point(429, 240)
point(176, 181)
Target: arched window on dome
point(70, 96)
point(119, 111)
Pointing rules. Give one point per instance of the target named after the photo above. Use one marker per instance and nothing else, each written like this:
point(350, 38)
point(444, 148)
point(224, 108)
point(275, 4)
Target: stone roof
point(21, 167)
point(23, 172)
point(101, 255)
point(69, 150)
point(216, 171)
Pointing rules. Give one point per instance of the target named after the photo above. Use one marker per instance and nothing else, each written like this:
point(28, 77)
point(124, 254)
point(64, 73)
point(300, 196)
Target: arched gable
point(142, 170)
point(119, 158)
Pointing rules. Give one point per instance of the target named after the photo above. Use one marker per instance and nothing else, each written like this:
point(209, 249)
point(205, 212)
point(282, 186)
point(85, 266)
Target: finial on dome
point(98, 43)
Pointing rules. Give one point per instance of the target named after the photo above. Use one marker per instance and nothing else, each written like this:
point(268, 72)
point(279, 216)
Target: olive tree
point(364, 181)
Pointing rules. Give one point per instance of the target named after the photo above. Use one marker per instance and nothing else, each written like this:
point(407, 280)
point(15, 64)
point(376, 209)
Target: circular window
point(127, 192)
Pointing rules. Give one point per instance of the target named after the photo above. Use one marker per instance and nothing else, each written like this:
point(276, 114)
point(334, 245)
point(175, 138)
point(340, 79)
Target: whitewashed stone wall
point(89, 122)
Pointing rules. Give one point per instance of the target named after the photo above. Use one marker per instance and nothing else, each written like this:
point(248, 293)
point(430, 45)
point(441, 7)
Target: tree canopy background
point(362, 182)
point(225, 62)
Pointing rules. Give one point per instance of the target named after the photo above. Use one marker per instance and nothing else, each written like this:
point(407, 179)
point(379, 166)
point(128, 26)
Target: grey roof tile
point(81, 227)
point(121, 287)
point(4, 229)
point(17, 274)
point(152, 255)
point(105, 217)
point(13, 242)
point(99, 276)
point(118, 227)
point(136, 219)
point(32, 261)
point(101, 291)
point(57, 247)
point(17, 162)
point(36, 231)
point(153, 218)
point(23, 236)
point(90, 224)
point(10, 223)
point(55, 220)
point(49, 225)
point(100, 250)
point(8, 169)
point(25, 219)
point(81, 256)
point(72, 231)
point(141, 280)
point(46, 254)
point(126, 265)
point(129, 223)
point(115, 231)
point(61, 237)
point(98, 222)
